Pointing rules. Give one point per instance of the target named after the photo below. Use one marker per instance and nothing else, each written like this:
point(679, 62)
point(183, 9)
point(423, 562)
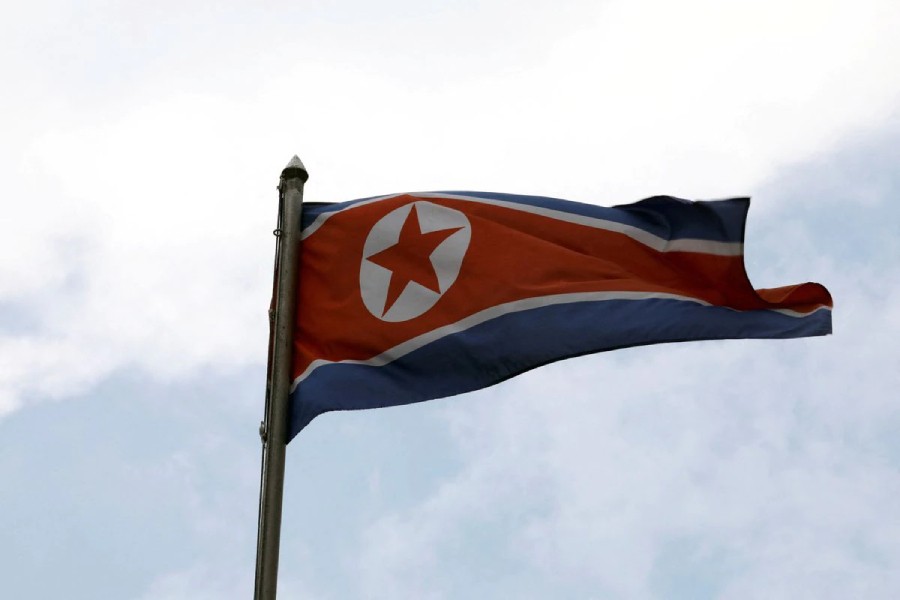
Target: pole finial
point(294, 169)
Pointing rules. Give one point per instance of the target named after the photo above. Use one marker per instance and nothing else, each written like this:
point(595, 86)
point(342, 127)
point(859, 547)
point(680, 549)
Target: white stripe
point(648, 239)
point(320, 220)
point(793, 313)
point(493, 312)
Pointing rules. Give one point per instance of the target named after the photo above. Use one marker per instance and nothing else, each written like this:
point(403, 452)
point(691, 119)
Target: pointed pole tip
point(294, 169)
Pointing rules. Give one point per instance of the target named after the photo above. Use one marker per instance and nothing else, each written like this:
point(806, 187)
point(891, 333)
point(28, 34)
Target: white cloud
point(738, 468)
point(140, 153)
point(140, 227)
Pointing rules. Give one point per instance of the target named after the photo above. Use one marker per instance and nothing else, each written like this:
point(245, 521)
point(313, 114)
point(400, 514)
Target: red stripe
point(513, 255)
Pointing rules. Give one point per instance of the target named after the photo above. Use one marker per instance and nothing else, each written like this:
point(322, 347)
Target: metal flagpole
point(274, 429)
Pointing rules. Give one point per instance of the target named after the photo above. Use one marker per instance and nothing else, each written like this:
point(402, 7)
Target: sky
point(140, 147)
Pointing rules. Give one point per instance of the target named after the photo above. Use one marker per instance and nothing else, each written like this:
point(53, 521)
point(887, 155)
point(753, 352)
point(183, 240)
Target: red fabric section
point(512, 255)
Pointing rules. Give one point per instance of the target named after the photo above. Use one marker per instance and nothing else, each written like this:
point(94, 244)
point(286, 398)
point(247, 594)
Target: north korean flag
point(410, 297)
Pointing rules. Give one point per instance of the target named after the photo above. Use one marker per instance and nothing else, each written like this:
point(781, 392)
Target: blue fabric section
point(514, 343)
point(665, 216)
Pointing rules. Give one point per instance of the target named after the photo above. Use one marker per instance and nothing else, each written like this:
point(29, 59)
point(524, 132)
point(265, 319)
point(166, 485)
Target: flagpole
point(274, 429)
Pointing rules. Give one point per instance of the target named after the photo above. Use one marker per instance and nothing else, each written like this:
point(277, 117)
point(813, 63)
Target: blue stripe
point(517, 342)
point(664, 216)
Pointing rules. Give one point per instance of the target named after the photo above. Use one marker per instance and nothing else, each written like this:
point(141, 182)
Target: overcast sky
point(140, 146)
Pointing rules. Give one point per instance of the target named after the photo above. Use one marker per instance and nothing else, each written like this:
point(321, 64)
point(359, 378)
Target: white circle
point(446, 259)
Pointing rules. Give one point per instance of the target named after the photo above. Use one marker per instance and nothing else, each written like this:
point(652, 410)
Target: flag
point(411, 297)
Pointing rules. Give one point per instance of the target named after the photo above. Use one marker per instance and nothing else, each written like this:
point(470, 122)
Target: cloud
point(141, 149)
point(135, 489)
point(139, 235)
point(769, 464)
point(717, 469)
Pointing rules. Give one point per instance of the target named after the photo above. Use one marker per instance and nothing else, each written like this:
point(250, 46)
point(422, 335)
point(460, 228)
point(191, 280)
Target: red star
point(410, 258)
